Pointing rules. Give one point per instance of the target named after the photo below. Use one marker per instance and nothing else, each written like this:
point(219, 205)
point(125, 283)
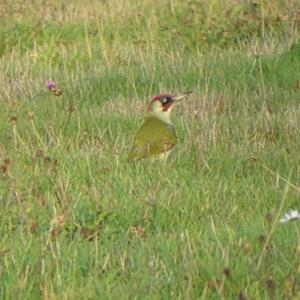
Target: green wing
point(155, 137)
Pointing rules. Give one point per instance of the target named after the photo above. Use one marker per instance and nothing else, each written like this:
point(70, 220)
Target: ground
point(78, 221)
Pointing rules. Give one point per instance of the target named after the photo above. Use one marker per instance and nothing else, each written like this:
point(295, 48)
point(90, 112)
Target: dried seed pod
point(39, 153)
point(30, 115)
point(13, 120)
point(226, 271)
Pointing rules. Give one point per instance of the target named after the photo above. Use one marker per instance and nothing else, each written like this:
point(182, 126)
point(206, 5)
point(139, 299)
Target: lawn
point(78, 221)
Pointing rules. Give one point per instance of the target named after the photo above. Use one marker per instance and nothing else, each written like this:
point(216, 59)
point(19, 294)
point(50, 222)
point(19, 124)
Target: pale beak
point(178, 98)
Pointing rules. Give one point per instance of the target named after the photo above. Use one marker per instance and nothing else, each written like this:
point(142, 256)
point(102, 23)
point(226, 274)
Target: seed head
point(270, 283)
point(271, 287)
point(55, 232)
point(58, 92)
point(247, 247)
point(262, 239)
point(242, 296)
point(52, 87)
point(33, 226)
point(226, 271)
point(47, 159)
point(30, 115)
point(269, 218)
point(6, 161)
point(39, 153)
point(3, 169)
point(13, 120)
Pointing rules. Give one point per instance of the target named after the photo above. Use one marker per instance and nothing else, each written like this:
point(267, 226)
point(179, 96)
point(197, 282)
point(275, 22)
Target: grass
point(79, 221)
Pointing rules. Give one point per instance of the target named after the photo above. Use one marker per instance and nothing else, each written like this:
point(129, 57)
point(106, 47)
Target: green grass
point(80, 222)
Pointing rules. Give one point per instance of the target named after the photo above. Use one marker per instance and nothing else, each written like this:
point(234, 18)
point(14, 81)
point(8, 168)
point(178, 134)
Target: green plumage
point(155, 137)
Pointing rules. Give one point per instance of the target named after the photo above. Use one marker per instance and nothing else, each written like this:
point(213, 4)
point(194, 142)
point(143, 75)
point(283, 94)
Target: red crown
point(161, 96)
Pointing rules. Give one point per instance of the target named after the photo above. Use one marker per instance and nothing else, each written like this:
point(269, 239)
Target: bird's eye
point(164, 100)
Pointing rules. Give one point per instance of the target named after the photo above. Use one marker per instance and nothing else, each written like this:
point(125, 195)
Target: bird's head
point(162, 104)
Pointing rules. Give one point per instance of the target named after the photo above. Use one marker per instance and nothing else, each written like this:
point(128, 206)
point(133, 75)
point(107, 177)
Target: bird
point(157, 136)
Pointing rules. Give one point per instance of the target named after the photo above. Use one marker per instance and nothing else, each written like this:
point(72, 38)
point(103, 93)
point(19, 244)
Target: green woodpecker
point(157, 136)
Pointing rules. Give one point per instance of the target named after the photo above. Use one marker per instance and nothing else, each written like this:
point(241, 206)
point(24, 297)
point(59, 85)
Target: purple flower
point(51, 85)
